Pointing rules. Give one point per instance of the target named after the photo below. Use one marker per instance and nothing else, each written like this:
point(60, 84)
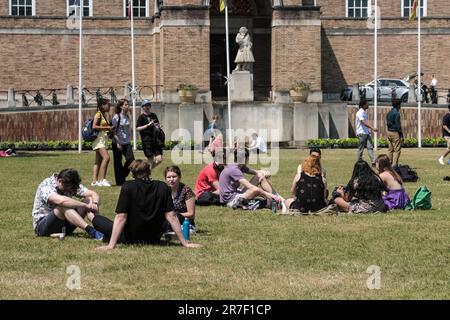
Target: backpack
point(160, 137)
point(421, 200)
point(88, 133)
point(406, 173)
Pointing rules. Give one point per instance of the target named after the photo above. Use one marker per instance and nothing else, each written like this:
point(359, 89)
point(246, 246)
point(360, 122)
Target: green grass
point(246, 255)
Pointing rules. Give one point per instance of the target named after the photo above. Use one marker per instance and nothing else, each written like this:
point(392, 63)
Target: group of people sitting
point(366, 192)
point(147, 208)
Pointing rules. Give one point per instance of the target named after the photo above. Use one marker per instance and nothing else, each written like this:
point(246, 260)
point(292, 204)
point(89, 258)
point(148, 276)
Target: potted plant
point(187, 93)
point(299, 91)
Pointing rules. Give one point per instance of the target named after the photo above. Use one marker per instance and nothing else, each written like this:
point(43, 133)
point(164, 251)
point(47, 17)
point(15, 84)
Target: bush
point(353, 143)
point(67, 145)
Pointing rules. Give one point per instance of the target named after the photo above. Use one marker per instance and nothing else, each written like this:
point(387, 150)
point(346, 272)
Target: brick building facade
point(319, 41)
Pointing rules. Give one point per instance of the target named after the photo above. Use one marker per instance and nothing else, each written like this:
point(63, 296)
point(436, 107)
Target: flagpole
point(80, 78)
point(133, 92)
point(230, 139)
point(419, 85)
point(375, 63)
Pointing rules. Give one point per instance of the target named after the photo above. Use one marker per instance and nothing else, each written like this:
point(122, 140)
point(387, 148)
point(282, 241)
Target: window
point(140, 8)
point(407, 6)
point(21, 8)
point(358, 8)
point(87, 7)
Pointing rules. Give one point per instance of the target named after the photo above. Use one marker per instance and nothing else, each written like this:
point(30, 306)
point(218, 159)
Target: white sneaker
point(441, 160)
point(96, 184)
point(105, 183)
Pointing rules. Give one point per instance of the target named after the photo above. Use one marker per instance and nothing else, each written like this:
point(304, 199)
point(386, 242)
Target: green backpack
point(421, 200)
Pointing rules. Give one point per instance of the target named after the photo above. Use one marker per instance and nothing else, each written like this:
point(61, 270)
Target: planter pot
point(187, 96)
point(299, 96)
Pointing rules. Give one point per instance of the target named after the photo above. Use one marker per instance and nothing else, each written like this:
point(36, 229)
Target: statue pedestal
point(241, 86)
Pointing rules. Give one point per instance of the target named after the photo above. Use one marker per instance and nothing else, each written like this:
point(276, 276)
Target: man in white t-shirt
point(433, 87)
point(363, 131)
point(258, 145)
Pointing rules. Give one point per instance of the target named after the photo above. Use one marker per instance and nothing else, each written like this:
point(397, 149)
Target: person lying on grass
point(143, 207)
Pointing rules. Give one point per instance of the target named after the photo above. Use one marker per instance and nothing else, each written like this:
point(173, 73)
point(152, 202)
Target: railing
point(29, 98)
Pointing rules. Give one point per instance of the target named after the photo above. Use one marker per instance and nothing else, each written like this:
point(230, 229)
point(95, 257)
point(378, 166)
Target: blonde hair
point(311, 165)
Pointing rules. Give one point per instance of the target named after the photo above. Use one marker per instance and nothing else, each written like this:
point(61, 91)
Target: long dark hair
point(384, 164)
point(365, 184)
point(102, 102)
point(119, 105)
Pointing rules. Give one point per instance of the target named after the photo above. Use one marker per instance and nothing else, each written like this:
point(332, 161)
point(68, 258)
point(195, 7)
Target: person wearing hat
point(147, 124)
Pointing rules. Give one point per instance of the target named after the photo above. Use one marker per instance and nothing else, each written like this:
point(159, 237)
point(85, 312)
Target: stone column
point(69, 95)
point(11, 98)
point(185, 49)
point(296, 50)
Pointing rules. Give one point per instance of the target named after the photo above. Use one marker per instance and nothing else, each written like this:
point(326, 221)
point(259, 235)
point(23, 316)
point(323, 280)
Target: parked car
point(388, 89)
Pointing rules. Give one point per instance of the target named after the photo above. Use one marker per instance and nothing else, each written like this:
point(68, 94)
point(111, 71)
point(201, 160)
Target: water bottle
point(185, 228)
point(274, 207)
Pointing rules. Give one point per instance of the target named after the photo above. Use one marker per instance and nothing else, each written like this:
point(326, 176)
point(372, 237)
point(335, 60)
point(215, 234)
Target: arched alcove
point(256, 15)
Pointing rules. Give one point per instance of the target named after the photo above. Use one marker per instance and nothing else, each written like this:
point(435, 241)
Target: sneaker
point(192, 229)
point(96, 184)
point(441, 160)
point(105, 183)
point(97, 235)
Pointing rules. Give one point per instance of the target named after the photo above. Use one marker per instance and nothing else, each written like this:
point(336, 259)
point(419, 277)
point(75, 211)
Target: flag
point(130, 10)
point(413, 13)
point(222, 5)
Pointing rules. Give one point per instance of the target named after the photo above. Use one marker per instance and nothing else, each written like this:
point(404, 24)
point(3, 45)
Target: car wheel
point(405, 97)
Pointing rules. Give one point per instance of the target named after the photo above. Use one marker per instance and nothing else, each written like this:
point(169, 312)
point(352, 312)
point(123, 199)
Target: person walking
point(147, 124)
point(363, 131)
point(121, 142)
point(394, 134)
point(446, 134)
point(100, 144)
point(433, 88)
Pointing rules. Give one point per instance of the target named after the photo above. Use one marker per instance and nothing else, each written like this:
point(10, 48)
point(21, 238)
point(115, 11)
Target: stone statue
point(244, 57)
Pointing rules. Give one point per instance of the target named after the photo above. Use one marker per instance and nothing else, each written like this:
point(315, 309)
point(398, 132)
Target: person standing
point(121, 142)
point(433, 87)
point(363, 131)
point(147, 124)
point(258, 145)
point(394, 134)
point(446, 134)
point(100, 144)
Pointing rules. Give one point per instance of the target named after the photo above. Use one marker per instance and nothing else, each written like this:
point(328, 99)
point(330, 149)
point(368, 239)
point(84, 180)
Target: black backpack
point(406, 173)
point(160, 137)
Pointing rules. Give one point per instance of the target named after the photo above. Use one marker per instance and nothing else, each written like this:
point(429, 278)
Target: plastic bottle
point(185, 228)
point(274, 207)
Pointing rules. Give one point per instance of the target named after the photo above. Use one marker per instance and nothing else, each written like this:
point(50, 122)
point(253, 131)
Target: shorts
point(448, 142)
point(237, 201)
point(150, 151)
point(52, 224)
point(207, 198)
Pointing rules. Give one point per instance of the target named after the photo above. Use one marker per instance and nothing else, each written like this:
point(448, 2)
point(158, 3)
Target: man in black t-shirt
point(446, 134)
point(143, 207)
point(148, 124)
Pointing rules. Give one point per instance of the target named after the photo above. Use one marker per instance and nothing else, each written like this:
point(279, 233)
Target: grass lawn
point(246, 255)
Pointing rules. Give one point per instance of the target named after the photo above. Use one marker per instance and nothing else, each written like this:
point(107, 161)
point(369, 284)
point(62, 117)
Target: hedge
point(353, 143)
point(73, 145)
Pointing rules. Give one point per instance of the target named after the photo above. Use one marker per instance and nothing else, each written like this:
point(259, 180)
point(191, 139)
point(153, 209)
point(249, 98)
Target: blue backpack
point(88, 133)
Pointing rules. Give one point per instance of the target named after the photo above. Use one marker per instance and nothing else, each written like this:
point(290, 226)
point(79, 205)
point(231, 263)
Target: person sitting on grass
point(207, 189)
point(396, 196)
point(364, 192)
point(309, 188)
point(182, 196)
point(317, 153)
point(142, 209)
point(233, 176)
point(54, 207)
